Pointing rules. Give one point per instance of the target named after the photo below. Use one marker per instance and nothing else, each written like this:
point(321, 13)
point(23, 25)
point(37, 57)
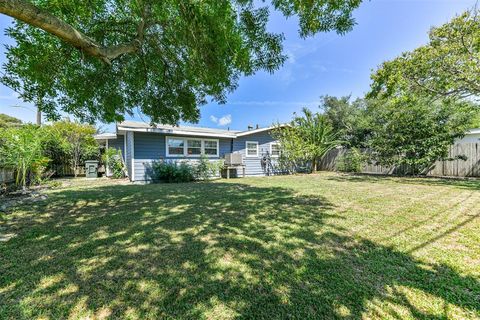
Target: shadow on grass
point(470, 183)
point(206, 250)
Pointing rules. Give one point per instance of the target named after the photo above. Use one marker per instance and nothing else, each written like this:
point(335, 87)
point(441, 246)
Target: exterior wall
point(118, 144)
point(253, 166)
point(150, 147)
point(470, 138)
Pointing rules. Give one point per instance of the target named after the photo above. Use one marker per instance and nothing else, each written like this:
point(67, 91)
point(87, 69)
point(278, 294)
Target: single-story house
point(142, 144)
point(472, 136)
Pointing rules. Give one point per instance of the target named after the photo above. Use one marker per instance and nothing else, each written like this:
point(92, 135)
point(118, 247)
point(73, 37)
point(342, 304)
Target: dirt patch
point(15, 198)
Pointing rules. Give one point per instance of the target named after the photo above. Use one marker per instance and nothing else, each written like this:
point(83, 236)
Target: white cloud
point(223, 121)
point(214, 119)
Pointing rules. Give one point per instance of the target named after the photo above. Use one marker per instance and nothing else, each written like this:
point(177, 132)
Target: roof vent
point(250, 127)
point(258, 126)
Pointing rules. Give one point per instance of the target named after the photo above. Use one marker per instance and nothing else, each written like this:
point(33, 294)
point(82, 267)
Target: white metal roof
point(185, 130)
point(105, 136)
point(474, 131)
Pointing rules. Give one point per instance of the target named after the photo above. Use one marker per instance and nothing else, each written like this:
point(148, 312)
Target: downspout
point(106, 153)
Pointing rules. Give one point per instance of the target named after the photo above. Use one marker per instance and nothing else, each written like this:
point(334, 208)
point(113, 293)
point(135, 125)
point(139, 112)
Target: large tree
point(348, 118)
point(100, 59)
point(448, 66)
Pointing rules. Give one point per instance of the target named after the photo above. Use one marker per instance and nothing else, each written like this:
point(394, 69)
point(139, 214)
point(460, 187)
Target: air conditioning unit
point(233, 159)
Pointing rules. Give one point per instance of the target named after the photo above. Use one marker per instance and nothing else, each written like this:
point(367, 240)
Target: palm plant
point(21, 150)
point(308, 137)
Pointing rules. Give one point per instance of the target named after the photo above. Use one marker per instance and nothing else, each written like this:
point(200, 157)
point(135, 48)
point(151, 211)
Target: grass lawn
point(321, 246)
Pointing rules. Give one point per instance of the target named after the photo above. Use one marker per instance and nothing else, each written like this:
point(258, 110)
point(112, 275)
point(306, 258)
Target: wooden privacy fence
point(451, 168)
point(65, 170)
point(6, 176)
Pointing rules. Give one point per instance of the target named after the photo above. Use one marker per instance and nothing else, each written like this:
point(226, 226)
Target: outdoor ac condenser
point(233, 159)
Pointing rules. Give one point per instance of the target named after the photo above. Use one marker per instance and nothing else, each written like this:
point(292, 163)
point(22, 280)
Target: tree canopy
point(7, 121)
point(348, 118)
point(102, 59)
point(448, 66)
point(416, 132)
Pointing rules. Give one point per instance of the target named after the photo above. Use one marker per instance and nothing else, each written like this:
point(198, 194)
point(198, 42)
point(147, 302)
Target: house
point(472, 136)
point(142, 144)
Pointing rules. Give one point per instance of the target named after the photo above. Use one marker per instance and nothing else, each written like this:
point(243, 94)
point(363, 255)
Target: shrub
point(186, 172)
point(113, 159)
point(206, 169)
point(351, 161)
point(173, 172)
point(21, 150)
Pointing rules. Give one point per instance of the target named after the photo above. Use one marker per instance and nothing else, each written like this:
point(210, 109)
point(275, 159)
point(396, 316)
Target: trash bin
point(91, 168)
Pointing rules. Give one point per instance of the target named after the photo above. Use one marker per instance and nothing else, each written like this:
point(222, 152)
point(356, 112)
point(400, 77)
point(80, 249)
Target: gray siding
point(118, 144)
point(150, 147)
point(253, 166)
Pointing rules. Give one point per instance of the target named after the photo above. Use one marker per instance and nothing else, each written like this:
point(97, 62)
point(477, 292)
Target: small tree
point(21, 150)
point(308, 137)
point(75, 140)
point(415, 132)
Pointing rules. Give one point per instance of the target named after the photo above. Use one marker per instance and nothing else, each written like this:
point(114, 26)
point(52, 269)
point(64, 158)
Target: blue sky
point(324, 64)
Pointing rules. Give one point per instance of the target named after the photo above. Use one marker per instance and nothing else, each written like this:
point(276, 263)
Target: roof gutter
point(178, 132)
point(248, 132)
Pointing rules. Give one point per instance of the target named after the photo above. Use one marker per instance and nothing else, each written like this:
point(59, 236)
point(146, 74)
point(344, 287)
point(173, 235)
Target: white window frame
point(185, 147)
point(218, 148)
point(271, 149)
point(246, 149)
point(185, 143)
point(167, 149)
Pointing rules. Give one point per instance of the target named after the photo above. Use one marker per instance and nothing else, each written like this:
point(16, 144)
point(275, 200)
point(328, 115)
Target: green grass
point(321, 246)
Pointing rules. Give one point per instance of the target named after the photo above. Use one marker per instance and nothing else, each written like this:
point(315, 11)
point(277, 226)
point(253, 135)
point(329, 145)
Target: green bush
point(113, 159)
point(206, 169)
point(351, 161)
point(21, 151)
point(173, 172)
point(185, 172)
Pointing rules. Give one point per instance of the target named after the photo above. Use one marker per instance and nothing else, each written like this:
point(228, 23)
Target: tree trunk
point(42, 19)
point(314, 165)
point(39, 117)
point(75, 168)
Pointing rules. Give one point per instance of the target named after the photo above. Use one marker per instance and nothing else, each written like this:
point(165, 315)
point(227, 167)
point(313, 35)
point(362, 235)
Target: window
point(194, 147)
point(211, 147)
point(275, 149)
point(191, 147)
point(175, 146)
point(252, 148)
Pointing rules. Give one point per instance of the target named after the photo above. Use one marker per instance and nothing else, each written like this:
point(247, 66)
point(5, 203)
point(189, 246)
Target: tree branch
point(32, 15)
